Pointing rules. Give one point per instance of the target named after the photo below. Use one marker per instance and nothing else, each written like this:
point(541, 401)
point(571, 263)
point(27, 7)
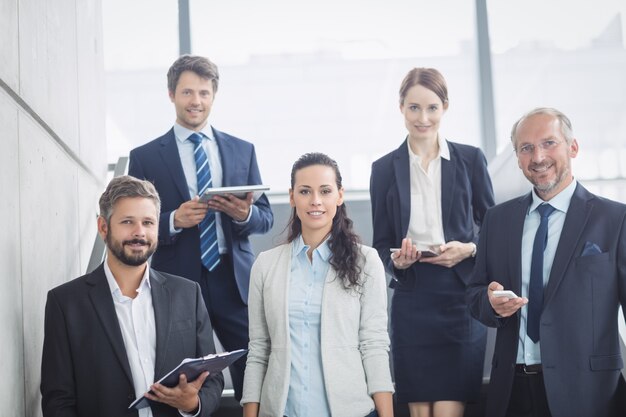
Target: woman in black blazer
point(428, 198)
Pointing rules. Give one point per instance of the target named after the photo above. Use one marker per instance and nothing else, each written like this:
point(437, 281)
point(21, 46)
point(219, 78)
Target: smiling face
point(193, 99)
point(548, 165)
point(132, 230)
point(315, 197)
point(422, 110)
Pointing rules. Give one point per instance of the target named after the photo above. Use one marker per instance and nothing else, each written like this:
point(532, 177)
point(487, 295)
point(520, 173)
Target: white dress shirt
point(136, 319)
point(426, 221)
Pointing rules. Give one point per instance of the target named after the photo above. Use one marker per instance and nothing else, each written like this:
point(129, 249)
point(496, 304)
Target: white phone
point(505, 293)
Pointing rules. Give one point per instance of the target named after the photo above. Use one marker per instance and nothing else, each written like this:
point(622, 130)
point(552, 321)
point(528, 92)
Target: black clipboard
point(192, 368)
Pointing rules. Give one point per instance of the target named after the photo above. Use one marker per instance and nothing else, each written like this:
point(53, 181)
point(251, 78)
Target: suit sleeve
point(476, 293)
point(384, 237)
point(621, 268)
point(260, 344)
point(373, 335)
point(482, 190)
point(58, 388)
point(211, 390)
point(262, 219)
point(135, 169)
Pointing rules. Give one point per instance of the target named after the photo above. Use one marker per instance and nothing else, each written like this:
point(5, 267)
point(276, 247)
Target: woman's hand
point(406, 256)
point(451, 254)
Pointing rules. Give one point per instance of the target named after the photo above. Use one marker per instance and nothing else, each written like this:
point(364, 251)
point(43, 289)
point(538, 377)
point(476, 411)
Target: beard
point(546, 188)
point(134, 258)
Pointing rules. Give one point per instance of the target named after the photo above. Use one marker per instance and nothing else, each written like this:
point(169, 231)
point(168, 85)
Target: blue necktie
point(535, 289)
point(209, 250)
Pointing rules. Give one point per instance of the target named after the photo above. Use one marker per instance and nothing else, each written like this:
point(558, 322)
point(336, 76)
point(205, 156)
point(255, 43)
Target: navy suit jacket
point(580, 349)
point(466, 194)
point(158, 161)
point(85, 370)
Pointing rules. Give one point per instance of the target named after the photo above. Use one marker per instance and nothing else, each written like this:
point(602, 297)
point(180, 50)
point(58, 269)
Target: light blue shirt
point(188, 161)
point(529, 352)
point(307, 392)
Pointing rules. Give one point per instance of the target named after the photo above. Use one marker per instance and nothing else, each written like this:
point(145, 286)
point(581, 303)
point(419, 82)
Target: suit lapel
point(448, 186)
point(516, 220)
point(161, 302)
point(171, 156)
point(102, 300)
point(575, 221)
point(402, 172)
point(227, 155)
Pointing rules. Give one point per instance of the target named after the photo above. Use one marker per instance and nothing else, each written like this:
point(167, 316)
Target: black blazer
point(158, 161)
point(466, 194)
point(580, 350)
point(85, 370)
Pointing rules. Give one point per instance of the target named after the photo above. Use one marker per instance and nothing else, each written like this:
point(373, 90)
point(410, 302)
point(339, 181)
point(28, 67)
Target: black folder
point(192, 368)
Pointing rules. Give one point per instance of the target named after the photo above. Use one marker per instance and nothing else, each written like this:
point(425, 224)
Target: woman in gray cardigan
point(319, 345)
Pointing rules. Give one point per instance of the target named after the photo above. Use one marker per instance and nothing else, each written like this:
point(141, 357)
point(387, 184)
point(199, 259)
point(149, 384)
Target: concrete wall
point(52, 170)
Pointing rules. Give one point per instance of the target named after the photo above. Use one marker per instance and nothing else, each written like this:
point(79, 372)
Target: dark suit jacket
point(466, 194)
point(580, 350)
point(85, 370)
point(158, 161)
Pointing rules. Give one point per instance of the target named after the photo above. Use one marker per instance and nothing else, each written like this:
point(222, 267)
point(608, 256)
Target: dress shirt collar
point(323, 249)
point(182, 133)
point(444, 150)
point(115, 289)
point(560, 201)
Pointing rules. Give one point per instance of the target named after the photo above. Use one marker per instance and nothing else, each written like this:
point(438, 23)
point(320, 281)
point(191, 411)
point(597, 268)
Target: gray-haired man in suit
point(563, 251)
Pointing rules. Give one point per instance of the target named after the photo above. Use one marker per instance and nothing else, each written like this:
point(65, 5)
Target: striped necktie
point(210, 253)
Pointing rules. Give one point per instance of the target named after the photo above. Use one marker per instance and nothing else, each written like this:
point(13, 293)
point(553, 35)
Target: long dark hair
point(343, 242)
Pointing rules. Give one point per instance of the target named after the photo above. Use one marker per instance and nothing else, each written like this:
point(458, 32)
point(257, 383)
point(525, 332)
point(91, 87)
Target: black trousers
point(528, 397)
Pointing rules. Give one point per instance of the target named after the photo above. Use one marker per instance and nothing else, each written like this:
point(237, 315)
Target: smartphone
point(505, 293)
point(425, 253)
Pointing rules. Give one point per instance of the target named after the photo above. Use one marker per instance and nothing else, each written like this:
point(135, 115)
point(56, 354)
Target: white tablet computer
point(238, 191)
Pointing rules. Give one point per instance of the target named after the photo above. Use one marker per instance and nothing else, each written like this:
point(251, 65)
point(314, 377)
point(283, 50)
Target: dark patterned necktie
point(535, 289)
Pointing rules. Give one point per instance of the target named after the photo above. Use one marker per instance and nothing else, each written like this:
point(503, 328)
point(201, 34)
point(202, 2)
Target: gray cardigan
point(355, 342)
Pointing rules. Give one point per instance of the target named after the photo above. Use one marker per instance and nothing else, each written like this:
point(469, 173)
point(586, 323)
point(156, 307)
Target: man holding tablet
point(206, 242)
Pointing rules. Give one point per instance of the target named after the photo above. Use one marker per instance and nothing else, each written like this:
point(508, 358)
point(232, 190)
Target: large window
point(300, 76)
point(572, 56)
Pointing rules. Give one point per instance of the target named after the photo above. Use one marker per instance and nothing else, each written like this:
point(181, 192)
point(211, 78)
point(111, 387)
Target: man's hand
point(190, 213)
point(451, 254)
point(183, 396)
point(237, 208)
point(504, 306)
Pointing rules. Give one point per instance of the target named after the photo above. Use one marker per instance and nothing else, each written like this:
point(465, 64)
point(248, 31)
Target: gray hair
point(197, 64)
point(127, 187)
point(566, 125)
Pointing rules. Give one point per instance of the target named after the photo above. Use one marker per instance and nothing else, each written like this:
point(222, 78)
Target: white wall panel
point(48, 75)
point(9, 48)
point(11, 343)
point(50, 237)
